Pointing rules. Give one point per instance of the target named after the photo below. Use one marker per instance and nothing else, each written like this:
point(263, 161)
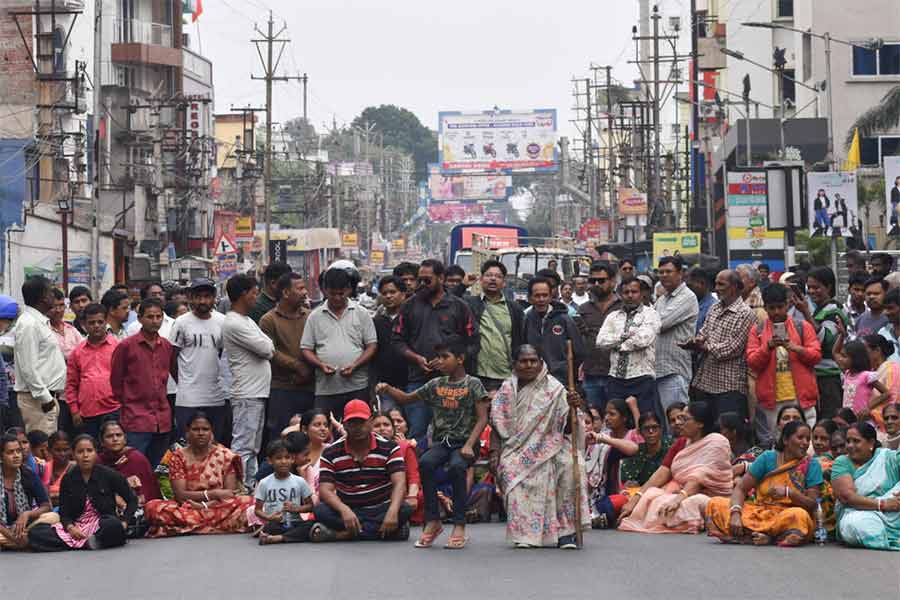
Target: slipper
point(456, 542)
point(426, 540)
point(321, 533)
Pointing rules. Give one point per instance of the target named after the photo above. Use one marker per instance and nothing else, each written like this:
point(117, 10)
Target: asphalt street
point(612, 565)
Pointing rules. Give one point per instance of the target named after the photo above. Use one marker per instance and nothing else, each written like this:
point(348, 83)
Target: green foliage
point(884, 116)
point(402, 130)
point(302, 135)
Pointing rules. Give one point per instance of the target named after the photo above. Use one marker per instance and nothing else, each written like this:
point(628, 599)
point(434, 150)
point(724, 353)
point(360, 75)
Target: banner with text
point(749, 240)
point(498, 140)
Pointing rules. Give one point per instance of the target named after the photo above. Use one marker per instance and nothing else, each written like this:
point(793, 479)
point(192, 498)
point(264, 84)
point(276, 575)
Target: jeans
point(153, 445)
point(216, 414)
point(247, 431)
point(370, 518)
point(725, 402)
point(671, 389)
point(418, 416)
point(91, 425)
point(642, 388)
point(439, 455)
point(284, 404)
point(595, 391)
point(764, 422)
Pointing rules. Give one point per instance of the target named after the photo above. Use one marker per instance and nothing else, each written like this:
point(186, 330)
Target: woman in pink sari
point(697, 466)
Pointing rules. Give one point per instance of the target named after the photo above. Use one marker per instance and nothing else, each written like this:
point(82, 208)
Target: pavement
point(612, 565)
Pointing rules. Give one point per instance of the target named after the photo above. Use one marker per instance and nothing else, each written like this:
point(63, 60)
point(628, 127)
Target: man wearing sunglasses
point(602, 281)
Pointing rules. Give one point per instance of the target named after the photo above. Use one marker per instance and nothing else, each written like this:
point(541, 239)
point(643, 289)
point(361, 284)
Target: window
point(890, 146)
point(885, 61)
point(784, 8)
point(868, 151)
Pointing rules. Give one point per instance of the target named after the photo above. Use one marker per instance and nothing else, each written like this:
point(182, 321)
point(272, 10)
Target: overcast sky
point(423, 55)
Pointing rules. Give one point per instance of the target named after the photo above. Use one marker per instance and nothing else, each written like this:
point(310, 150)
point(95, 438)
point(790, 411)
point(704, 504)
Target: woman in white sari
point(534, 473)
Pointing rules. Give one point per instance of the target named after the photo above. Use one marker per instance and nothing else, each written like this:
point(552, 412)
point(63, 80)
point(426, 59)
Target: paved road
point(613, 565)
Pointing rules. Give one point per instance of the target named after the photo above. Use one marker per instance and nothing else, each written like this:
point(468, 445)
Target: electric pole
point(95, 139)
point(270, 77)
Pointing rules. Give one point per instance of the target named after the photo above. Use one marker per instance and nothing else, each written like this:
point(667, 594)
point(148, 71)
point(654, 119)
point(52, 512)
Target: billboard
point(833, 207)
point(892, 193)
point(243, 229)
point(465, 213)
point(350, 240)
point(674, 244)
point(749, 240)
point(455, 187)
point(632, 202)
point(498, 140)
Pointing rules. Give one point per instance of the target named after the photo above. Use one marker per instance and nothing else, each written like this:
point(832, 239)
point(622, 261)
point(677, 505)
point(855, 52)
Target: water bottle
point(821, 534)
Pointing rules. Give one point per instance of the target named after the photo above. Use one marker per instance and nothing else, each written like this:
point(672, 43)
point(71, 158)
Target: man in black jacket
point(548, 327)
point(389, 364)
point(426, 320)
point(500, 326)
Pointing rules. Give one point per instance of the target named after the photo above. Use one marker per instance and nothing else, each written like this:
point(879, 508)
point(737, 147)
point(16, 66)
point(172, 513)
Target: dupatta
point(707, 462)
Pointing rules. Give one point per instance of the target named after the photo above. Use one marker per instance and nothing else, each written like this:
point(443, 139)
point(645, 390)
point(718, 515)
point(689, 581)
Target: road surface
point(613, 565)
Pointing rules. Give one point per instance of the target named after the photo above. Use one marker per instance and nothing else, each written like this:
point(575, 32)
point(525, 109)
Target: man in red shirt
point(88, 391)
point(141, 365)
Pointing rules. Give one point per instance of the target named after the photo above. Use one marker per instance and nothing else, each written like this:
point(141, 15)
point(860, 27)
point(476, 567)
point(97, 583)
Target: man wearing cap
point(40, 366)
point(197, 341)
point(362, 484)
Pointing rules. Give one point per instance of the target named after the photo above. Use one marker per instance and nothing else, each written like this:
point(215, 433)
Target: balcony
point(143, 42)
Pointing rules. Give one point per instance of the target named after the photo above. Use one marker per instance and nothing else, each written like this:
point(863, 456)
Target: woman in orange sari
point(787, 483)
point(206, 479)
point(696, 467)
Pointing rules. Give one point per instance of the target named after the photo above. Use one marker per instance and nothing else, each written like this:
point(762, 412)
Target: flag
point(853, 159)
point(197, 11)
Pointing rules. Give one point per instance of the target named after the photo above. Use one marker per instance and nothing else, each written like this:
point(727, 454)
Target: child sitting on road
point(282, 496)
point(460, 412)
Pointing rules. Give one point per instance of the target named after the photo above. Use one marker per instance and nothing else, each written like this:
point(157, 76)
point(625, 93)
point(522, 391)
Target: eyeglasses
point(598, 279)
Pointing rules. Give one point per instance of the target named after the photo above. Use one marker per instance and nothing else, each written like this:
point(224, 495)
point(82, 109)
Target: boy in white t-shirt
point(282, 497)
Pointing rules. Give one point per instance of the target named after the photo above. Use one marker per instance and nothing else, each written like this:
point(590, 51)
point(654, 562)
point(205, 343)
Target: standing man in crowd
point(79, 298)
point(499, 324)
point(629, 334)
point(40, 367)
point(700, 282)
point(855, 305)
point(139, 373)
point(721, 379)
point(427, 319)
point(408, 273)
point(856, 263)
point(118, 307)
point(580, 293)
point(268, 296)
point(197, 340)
point(873, 319)
point(764, 272)
point(455, 280)
point(677, 309)
point(249, 351)
point(882, 265)
point(549, 328)
point(66, 334)
point(593, 314)
point(626, 268)
point(153, 290)
point(389, 365)
point(339, 340)
point(891, 331)
point(88, 390)
point(293, 389)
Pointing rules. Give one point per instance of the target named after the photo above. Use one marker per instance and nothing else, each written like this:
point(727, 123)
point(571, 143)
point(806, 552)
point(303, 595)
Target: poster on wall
point(892, 193)
point(674, 244)
point(833, 207)
point(749, 240)
point(79, 270)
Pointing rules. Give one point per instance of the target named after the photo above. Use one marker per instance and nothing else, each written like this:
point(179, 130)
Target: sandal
point(426, 540)
point(321, 533)
point(456, 542)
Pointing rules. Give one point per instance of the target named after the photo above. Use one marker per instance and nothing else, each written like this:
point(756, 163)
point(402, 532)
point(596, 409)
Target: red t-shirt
point(677, 447)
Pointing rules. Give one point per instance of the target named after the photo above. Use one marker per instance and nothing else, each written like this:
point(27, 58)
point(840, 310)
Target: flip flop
point(426, 540)
point(456, 542)
point(321, 533)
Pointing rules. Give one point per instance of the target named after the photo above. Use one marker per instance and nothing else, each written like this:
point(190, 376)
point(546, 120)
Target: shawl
point(132, 463)
point(707, 462)
point(530, 420)
point(19, 497)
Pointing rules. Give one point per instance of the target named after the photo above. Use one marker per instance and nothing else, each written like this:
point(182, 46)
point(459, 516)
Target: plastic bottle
point(821, 534)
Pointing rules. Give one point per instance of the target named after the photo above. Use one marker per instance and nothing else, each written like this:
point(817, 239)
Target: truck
point(500, 236)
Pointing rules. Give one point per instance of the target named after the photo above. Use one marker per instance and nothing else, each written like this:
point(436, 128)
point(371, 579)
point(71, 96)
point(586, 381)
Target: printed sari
point(706, 462)
point(776, 517)
point(169, 518)
point(878, 478)
point(535, 469)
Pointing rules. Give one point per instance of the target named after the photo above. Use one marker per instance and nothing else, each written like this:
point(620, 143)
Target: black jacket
point(101, 488)
point(421, 326)
point(389, 364)
point(550, 334)
point(517, 318)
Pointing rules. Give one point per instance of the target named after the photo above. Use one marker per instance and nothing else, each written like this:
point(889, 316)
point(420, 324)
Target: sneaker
point(568, 542)
point(523, 546)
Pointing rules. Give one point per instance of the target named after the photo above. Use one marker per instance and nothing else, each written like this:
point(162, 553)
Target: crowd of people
point(755, 408)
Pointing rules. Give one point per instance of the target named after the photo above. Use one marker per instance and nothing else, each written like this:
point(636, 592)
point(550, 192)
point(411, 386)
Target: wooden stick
point(576, 465)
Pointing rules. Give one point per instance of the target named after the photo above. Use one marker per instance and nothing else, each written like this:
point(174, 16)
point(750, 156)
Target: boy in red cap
point(362, 484)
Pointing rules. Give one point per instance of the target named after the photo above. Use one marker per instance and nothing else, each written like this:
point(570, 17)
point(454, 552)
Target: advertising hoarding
point(749, 240)
point(833, 206)
point(892, 193)
point(674, 244)
point(632, 202)
point(450, 187)
point(498, 141)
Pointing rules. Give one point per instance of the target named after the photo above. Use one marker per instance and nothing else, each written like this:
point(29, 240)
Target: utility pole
point(304, 79)
point(95, 139)
point(270, 69)
point(657, 127)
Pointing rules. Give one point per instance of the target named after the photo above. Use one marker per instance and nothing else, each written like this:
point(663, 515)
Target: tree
point(302, 135)
point(402, 130)
point(881, 117)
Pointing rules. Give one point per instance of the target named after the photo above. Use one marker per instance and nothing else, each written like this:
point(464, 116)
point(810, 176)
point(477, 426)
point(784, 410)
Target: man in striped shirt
point(362, 484)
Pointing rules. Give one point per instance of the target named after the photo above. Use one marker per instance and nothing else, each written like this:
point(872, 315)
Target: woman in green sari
point(866, 483)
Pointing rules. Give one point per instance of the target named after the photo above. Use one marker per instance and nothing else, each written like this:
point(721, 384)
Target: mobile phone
point(779, 331)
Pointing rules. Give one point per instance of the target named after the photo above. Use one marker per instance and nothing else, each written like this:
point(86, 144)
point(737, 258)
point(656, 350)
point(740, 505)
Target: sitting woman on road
point(89, 514)
point(383, 425)
point(206, 480)
point(23, 499)
point(787, 483)
point(891, 416)
point(130, 463)
point(866, 483)
point(603, 461)
point(697, 466)
point(638, 469)
point(60, 461)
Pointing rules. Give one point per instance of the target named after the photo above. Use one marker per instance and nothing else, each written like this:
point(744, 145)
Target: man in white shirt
point(580, 292)
point(40, 367)
point(197, 339)
point(249, 351)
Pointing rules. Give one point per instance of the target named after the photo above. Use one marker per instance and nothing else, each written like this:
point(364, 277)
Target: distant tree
point(402, 130)
point(302, 135)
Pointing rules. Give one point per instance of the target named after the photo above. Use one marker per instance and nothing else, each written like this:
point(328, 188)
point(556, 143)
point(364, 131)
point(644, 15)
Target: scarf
point(19, 495)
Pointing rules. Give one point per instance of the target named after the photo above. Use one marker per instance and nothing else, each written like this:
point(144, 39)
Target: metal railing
point(134, 31)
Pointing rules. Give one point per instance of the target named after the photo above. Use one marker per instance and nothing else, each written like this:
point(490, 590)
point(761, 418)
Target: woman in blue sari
point(866, 483)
